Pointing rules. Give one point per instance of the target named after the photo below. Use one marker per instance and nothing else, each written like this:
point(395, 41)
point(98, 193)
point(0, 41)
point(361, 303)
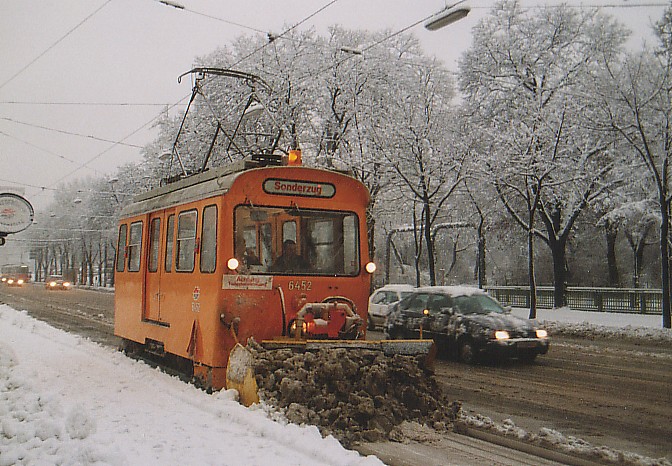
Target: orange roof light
point(294, 157)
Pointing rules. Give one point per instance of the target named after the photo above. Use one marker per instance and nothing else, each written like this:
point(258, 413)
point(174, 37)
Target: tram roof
point(216, 181)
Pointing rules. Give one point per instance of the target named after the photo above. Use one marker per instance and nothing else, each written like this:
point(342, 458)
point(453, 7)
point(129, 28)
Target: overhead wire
point(70, 133)
point(29, 64)
point(187, 96)
point(92, 104)
point(62, 157)
point(257, 50)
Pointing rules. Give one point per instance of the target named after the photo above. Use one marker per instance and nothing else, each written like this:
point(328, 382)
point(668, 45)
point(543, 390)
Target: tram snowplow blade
point(240, 370)
point(425, 348)
point(240, 375)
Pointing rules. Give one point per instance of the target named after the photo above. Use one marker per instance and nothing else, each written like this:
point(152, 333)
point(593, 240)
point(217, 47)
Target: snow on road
point(65, 400)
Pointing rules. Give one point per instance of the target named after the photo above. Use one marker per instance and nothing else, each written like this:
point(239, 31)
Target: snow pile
point(352, 394)
point(66, 400)
point(550, 438)
point(591, 331)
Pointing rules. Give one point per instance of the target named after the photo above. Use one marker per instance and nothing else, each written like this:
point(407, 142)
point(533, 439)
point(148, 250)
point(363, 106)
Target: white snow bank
point(65, 400)
point(604, 324)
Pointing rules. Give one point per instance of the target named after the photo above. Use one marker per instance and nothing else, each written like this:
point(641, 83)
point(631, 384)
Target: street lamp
point(447, 16)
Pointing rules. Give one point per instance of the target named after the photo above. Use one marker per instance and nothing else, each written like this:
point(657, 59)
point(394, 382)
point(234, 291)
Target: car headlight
point(20, 282)
point(541, 333)
point(501, 335)
point(52, 284)
point(66, 284)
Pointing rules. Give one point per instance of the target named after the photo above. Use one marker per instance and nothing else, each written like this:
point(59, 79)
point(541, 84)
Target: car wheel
point(466, 352)
point(370, 325)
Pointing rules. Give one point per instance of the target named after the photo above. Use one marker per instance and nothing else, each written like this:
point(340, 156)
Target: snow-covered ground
point(66, 400)
point(608, 324)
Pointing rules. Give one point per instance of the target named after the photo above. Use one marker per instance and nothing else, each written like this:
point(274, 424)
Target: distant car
point(56, 282)
point(13, 281)
point(382, 300)
point(466, 323)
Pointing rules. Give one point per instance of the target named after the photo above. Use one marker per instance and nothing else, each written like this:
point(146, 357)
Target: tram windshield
point(292, 241)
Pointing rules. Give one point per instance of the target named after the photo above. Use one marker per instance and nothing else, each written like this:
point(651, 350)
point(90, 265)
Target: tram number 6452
point(303, 285)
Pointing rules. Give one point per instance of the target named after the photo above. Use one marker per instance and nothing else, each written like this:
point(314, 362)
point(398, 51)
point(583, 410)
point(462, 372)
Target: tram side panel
point(175, 291)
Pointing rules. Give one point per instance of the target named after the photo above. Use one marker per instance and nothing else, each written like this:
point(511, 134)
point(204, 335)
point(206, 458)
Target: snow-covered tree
point(636, 99)
point(524, 84)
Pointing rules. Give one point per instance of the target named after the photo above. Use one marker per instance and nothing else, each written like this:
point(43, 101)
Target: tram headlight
point(370, 267)
point(232, 263)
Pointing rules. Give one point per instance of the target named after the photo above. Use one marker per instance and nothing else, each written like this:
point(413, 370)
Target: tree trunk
point(558, 252)
point(611, 233)
point(639, 259)
point(665, 258)
point(430, 243)
point(530, 271)
point(482, 279)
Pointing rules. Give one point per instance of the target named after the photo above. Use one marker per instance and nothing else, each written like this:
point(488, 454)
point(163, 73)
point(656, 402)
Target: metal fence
point(627, 300)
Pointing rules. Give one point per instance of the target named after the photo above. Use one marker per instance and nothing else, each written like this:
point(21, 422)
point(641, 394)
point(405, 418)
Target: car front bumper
point(513, 347)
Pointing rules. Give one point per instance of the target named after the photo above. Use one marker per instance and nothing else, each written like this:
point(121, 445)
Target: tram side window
point(350, 245)
point(266, 246)
point(154, 242)
point(121, 248)
point(186, 241)
point(134, 247)
point(209, 239)
point(170, 233)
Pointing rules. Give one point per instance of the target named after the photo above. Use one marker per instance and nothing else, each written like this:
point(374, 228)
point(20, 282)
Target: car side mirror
point(507, 309)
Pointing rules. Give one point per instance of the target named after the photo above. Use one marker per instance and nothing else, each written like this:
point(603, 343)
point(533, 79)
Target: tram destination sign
point(299, 188)
point(16, 213)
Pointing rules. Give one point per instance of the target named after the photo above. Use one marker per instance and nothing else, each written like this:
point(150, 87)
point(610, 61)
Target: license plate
point(527, 344)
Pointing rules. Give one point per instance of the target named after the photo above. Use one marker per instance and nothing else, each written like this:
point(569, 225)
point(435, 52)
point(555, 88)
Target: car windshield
point(477, 304)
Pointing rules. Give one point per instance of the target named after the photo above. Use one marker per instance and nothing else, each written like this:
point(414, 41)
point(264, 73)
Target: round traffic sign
point(16, 213)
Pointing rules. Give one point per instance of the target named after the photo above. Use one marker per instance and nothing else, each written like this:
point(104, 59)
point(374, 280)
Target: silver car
point(382, 300)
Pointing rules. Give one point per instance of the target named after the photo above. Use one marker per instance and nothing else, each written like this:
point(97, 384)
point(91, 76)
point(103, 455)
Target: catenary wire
point(30, 63)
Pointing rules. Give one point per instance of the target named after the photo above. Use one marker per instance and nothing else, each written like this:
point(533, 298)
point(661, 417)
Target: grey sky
point(130, 52)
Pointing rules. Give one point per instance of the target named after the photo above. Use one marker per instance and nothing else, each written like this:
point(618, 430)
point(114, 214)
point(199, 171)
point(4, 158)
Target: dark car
point(467, 323)
point(56, 282)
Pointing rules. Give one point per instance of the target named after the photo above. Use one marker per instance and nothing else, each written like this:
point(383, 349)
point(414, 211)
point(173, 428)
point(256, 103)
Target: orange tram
point(249, 250)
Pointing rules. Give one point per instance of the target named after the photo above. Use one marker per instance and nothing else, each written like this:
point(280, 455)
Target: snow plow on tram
point(263, 250)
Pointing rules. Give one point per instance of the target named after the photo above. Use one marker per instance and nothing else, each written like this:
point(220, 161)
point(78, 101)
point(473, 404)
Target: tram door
point(153, 294)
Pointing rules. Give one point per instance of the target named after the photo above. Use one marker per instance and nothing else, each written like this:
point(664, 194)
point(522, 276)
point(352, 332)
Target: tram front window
point(272, 240)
